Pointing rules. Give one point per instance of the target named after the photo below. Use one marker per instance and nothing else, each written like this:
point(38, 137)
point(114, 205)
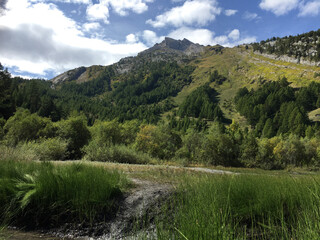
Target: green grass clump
point(115, 153)
point(44, 195)
point(245, 207)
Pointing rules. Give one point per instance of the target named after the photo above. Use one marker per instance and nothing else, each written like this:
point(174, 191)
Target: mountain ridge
point(168, 50)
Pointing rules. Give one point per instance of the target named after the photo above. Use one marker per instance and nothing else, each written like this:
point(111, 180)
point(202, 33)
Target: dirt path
point(145, 198)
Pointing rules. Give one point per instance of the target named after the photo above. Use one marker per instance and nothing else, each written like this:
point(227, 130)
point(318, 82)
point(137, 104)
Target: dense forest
point(120, 123)
point(144, 95)
point(305, 45)
point(276, 108)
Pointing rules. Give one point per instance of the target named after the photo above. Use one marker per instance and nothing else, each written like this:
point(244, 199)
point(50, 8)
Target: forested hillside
point(219, 106)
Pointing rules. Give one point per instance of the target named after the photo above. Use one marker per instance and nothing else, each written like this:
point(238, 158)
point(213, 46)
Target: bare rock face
point(285, 58)
point(71, 75)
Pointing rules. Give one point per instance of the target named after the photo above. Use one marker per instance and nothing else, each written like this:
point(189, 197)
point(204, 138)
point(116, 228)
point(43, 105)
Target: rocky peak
point(180, 47)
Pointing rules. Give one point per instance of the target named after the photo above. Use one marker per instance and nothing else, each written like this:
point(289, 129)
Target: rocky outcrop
point(71, 75)
point(286, 58)
point(168, 50)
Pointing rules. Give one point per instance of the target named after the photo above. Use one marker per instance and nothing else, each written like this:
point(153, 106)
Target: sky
point(43, 38)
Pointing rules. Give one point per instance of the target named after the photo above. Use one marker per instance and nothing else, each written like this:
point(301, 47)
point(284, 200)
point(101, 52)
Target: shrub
point(160, 142)
point(21, 152)
point(24, 126)
point(76, 132)
point(50, 149)
point(115, 153)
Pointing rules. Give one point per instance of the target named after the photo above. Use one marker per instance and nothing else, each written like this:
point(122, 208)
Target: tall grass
point(244, 207)
point(115, 153)
point(44, 195)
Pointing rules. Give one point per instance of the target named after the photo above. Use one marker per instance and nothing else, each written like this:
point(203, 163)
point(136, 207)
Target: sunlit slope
point(243, 68)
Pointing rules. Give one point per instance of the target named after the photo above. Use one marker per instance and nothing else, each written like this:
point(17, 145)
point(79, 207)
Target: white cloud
point(201, 36)
point(151, 37)
point(279, 7)
point(310, 9)
point(122, 6)
point(38, 38)
point(66, 1)
point(234, 34)
point(230, 12)
point(192, 12)
point(247, 40)
point(250, 16)
point(87, 27)
point(207, 37)
point(132, 38)
point(98, 11)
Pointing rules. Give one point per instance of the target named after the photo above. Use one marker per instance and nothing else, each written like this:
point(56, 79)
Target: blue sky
point(42, 38)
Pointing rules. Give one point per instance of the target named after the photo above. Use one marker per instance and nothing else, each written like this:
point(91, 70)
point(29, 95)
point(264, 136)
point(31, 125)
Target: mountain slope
point(168, 50)
point(158, 81)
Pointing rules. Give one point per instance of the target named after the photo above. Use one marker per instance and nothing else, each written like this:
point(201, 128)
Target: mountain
point(168, 50)
point(164, 81)
point(303, 48)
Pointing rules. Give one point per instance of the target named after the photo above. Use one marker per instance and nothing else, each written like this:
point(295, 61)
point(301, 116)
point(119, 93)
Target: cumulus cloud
point(151, 37)
point(66, 1)
point(201, 36)
point(132, 38)
point(279, 7)
point(39, 38)
point(87, 27)
point(98, 11)
point(122, 6)
point(310, 9)
point(207, 37)
point(192, 12)
point(230, 12)
point(250, 16)
point(234, 34)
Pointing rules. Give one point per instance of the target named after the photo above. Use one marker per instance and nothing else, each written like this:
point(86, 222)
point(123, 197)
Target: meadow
point(247, 205)
point(37, 195)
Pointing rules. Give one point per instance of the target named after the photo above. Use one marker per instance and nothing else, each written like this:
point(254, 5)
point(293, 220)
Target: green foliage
point(6, 103)
point(24, 126)
point(201, 103)
point(22, 152)
point(276, 108)
point(115, 153)
point(112, 132)
point(42, 195)
point(243, 207)
point(160, 142)
point(293, 46)
point(75, 131)
point(49, 149)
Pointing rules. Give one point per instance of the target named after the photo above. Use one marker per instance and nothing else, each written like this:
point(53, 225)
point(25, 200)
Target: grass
point(44, 195)
point(244, 207)
point(314, 115)
point(243, 69)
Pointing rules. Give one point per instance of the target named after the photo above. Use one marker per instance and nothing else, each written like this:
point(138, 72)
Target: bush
point(24, 126)
point(22, 152)
point(75, 131)
point(114, 153)
point(50, 149)
point(160, 142)
point(113, 132)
